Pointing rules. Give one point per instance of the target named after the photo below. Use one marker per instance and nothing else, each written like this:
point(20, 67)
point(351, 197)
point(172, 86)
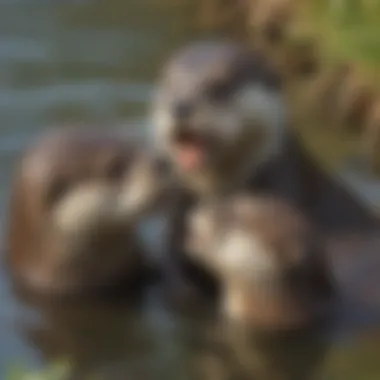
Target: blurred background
point(95, 61)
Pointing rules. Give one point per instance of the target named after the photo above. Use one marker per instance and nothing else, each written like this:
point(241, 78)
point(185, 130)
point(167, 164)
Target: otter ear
point(257, 68)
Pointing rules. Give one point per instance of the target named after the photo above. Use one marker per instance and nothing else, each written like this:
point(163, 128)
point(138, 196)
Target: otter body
point(75, 199)
point(221, 121)
point(219, 117)
point(269, 259)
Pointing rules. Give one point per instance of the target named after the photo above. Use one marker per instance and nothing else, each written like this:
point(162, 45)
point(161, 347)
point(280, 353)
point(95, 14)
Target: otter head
point(266, 256)
point(75, 200)
point(218, 113)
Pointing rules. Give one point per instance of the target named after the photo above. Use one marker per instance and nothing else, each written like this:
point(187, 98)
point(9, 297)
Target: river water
point(96, 61)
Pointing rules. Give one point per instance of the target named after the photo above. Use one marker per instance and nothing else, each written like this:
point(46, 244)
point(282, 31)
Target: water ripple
point(69, 93)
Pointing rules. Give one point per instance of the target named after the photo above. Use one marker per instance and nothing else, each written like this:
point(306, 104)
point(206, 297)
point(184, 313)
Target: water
point(96, 61)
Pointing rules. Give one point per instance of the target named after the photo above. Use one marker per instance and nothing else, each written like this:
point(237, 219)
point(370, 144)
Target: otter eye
point(219, 91)
point(56, 191)
point(116, 168)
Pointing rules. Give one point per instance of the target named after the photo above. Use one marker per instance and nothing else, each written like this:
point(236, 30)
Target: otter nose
point(182, 110)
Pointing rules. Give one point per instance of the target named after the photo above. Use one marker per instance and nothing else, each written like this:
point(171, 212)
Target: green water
point(96, 61)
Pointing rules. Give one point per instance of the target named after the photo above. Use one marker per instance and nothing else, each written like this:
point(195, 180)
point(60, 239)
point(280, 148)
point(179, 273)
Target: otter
point(269, 259)
point(220, 120)
point(76, 197)
point(233, 351)
point(218, 116)
point(218, 108)
point(325, 88)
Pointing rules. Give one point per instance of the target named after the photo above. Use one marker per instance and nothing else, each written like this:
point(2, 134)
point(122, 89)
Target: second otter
point(268, 258)
point(75, 201)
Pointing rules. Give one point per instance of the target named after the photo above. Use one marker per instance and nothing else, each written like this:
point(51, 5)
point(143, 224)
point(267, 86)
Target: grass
point(345, 30)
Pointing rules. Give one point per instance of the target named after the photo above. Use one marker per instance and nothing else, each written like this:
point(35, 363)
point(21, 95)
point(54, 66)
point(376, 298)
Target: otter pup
point(269, 260)
point(75, 199)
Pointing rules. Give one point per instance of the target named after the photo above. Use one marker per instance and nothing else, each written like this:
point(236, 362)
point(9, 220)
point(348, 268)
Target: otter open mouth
point(191, 150)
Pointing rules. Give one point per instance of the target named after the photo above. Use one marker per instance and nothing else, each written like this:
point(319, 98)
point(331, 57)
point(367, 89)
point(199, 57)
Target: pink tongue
point(190, 157)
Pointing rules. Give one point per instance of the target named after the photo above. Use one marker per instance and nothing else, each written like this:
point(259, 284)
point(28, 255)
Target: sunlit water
point(96, 61)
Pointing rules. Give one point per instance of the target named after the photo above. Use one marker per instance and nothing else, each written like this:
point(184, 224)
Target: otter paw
point(183, 296)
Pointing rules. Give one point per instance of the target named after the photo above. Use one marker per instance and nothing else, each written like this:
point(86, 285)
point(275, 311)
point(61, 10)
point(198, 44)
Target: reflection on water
point(96, 61)
point(148, 343)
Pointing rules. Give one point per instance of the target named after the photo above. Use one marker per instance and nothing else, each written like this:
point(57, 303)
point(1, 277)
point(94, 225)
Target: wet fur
point(72, 215)
point(287, 170)
point(264, 252)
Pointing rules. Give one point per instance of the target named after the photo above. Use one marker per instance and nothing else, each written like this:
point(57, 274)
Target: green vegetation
point(346, 29)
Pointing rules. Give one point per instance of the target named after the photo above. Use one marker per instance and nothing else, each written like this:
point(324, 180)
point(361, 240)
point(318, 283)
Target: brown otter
point(269, 259)
point(219, 116)
point(75, 200)
point(220, 120)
